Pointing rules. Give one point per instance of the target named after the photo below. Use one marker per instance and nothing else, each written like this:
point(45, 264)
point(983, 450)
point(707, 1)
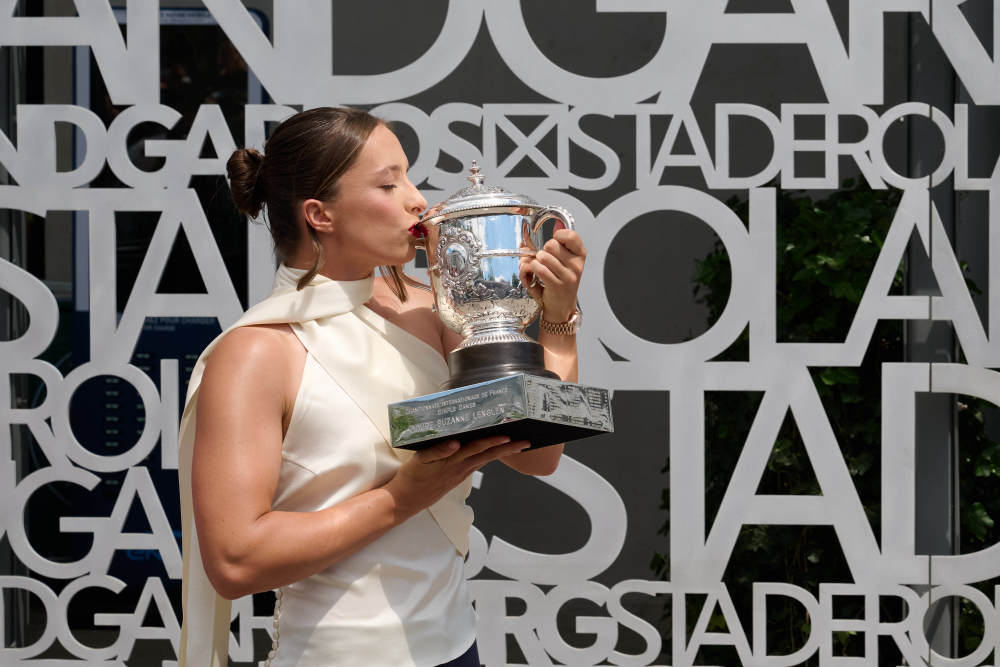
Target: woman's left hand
point(557, 266)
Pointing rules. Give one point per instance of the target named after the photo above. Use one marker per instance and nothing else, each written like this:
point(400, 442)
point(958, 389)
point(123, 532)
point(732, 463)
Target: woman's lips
point(417, 230)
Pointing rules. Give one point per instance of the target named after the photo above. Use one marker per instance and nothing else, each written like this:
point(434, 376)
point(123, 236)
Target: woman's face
point(375, 207)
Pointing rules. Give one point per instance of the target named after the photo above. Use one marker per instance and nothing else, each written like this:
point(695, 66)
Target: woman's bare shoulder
point(257, 353)
point(256, 342)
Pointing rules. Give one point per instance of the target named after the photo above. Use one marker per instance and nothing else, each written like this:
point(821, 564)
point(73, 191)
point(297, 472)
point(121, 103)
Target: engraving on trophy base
point(523, 406)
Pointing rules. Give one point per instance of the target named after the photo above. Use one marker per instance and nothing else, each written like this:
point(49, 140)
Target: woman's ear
point(317, 215)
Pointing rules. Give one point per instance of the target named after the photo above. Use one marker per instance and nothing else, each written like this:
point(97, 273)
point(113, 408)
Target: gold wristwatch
point(567, 328)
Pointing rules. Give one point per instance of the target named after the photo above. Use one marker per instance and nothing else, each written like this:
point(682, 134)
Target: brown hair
point(303, 159)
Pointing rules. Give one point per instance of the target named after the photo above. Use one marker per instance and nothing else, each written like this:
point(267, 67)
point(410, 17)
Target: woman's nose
point(418, 204)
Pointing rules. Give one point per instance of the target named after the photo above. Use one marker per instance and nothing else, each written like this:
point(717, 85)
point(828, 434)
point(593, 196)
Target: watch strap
point(567, 328)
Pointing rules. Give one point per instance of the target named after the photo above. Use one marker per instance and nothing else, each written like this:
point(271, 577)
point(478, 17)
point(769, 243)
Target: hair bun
point(244, 168)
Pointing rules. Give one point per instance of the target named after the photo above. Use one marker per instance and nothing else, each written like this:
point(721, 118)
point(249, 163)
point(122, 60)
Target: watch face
point(576, 320)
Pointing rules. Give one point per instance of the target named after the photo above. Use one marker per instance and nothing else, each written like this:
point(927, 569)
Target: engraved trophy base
point(523, 406)
point(479, 363)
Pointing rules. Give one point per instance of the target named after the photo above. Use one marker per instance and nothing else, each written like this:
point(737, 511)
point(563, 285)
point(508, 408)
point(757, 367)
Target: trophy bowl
point(476, 242)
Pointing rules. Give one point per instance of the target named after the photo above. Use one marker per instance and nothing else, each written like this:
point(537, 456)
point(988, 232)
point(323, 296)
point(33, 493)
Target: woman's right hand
point(431, 473)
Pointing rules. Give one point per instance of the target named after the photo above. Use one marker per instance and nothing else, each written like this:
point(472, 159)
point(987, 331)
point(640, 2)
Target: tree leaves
point(977, 520)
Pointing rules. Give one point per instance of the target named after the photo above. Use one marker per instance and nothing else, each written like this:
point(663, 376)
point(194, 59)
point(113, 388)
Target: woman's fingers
point(571, 241)
point(485, 449)
point(527, 277)
point(551, 270)
point(559, 265)
point(434, 471)
point(439, 451)
point(563, 256)
point(569, 258)
point(475, 447)
point(561, 285)
point(477, 461)
point(452, 449)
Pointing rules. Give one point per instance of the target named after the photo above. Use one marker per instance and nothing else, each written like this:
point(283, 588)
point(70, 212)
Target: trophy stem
point(507, 330)
point(489, 361)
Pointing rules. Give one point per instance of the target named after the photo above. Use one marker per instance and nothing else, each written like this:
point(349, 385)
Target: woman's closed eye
point(388, 186)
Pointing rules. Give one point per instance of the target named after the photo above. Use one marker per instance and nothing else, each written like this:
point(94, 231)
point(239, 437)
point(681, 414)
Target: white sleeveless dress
point(398, 602)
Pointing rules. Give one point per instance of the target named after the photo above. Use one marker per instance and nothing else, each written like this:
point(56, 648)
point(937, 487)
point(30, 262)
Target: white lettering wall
point(295, 69)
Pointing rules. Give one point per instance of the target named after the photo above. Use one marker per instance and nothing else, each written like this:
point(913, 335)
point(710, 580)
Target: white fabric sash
point(373, 360)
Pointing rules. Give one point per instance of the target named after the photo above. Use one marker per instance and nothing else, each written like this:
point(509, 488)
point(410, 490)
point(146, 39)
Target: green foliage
point(826, 250)
point(979, 471)
point(979, 503)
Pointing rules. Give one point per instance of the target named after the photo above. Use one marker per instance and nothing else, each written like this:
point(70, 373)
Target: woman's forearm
point(280, 547)
point(254, 553)
point(560, 354)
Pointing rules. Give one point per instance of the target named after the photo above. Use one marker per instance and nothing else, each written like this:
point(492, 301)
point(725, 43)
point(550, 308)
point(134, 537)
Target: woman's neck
point(332, 268)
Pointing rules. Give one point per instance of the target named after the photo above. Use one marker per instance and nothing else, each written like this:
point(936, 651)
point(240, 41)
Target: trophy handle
point(550, 213)
point(543, 216)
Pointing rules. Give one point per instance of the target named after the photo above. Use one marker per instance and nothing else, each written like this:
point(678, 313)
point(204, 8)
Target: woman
point(284, 462)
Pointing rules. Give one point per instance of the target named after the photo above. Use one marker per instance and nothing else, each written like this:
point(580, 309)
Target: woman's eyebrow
point(392, 169)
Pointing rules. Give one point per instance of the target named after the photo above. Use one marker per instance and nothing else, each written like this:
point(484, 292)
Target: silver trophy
point(476, 243)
